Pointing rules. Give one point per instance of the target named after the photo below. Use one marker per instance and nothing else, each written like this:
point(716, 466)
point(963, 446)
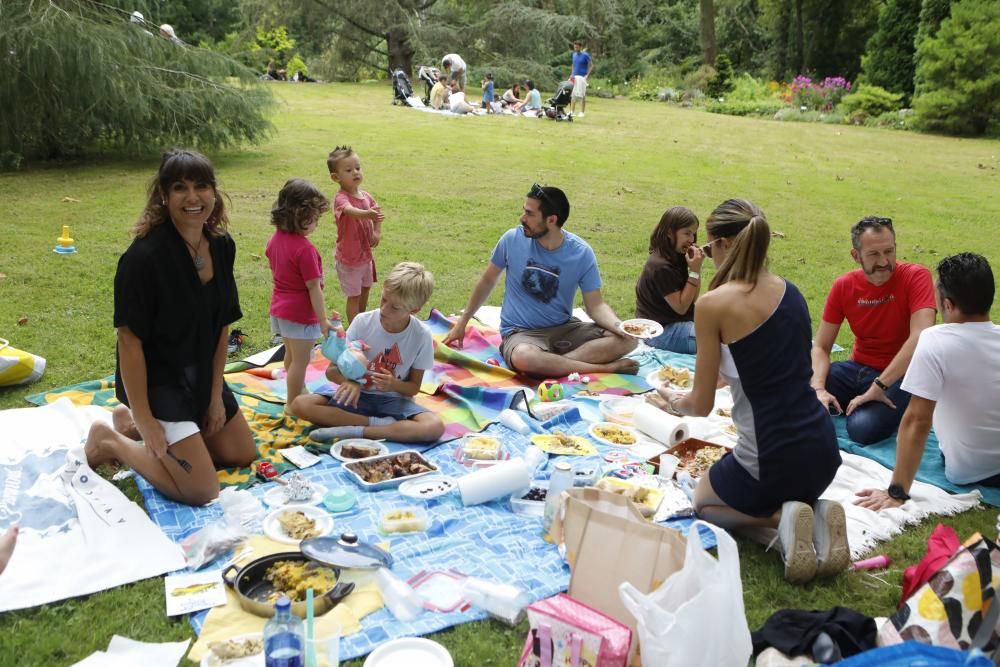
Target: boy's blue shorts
point(379, 404)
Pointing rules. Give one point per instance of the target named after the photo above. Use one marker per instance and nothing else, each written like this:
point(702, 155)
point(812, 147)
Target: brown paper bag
point(607, 542)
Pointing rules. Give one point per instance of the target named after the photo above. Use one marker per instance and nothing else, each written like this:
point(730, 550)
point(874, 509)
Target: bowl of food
point(389, 470)
point(260, 583)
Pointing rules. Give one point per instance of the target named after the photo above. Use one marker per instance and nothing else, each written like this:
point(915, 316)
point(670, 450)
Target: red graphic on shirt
point(386, 361)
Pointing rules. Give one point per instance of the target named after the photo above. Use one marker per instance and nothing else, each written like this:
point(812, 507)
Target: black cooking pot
point(253, 589)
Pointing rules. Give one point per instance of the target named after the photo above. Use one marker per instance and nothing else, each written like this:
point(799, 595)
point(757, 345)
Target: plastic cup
point(326, 649)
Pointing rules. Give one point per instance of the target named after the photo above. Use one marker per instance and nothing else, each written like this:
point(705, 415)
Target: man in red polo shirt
point(887, 304)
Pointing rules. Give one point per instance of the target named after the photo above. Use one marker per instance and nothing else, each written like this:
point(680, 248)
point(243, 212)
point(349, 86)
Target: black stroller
point(556, 109)
point(429, 75)
point(401, 88)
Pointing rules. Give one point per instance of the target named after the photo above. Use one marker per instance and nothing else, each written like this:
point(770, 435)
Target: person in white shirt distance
point(954, 379)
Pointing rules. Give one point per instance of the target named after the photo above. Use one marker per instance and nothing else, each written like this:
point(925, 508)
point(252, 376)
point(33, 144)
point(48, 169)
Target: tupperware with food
point(484, 448)
point(532, 501)
point(401, 520)
point(388, 471)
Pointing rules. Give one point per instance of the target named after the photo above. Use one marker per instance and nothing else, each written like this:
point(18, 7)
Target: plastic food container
point(355, 469)
point(586, 474)
point(520, 504)
point(410, 519)
point(620, 410)
point(339, 499)
point(481, 448)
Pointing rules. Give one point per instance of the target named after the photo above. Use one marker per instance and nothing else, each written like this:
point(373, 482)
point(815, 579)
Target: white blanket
point(78, 533)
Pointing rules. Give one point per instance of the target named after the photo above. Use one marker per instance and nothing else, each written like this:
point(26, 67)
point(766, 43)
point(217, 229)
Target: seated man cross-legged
point(887, 304)
point(545, 265)
point(954, 380)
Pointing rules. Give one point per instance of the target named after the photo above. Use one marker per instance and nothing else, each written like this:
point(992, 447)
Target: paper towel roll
point(661, 426)
point(491, 483)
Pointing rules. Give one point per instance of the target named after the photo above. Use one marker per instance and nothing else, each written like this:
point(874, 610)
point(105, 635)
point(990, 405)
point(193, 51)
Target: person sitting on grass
point(533, 102)
point(175, 297)
point(512, 97)
point(545, 267)
point(399, 351)
point(440, 93)
point(670, 281)
point(753, 328)
point(954, 381)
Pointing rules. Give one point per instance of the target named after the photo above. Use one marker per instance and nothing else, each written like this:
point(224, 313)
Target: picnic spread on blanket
point(459, 523)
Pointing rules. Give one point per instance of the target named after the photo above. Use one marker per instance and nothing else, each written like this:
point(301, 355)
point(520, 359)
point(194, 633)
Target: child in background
point(298, 313)
point(359, 229)
point(400, 350)
point(297, 310)
point(671, 280)
point(488, 92)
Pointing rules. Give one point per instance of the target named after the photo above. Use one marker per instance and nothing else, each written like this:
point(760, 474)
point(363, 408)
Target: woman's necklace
point(199, 261)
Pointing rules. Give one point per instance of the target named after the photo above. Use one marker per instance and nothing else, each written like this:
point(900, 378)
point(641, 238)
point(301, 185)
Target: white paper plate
point(410, 652)
point(335, 450)
point(324, 522)
point(654, 381)
point(275, 497)
point(425, 488)
point(652, 329)
point(593, 434)
point(209, 659)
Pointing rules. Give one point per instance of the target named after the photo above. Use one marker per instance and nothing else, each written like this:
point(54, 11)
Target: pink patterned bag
point(566, 632)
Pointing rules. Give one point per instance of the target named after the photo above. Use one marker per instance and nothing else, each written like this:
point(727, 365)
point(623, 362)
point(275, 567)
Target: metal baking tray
point(388, 483)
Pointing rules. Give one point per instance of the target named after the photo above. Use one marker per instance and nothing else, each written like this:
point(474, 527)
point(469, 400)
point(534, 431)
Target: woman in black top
point(175, 297)
point(669, 284)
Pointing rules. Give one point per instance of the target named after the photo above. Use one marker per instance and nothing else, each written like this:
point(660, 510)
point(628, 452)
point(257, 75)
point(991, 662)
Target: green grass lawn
point(449, 187)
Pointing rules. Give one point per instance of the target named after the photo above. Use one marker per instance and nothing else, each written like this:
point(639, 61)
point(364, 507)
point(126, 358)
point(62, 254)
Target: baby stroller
point(402, 91)
point(429, 75)
point(556, 109)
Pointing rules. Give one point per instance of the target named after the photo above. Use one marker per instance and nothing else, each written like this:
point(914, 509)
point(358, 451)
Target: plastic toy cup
point(339, 499)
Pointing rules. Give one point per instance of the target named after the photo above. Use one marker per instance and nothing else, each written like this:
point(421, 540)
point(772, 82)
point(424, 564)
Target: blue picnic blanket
point(487, 541)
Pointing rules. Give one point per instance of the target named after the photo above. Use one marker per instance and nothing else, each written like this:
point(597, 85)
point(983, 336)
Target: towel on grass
point(78, 533)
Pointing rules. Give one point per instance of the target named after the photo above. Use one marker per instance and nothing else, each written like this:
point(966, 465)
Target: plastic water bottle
point(284, 637)
point(561, 480)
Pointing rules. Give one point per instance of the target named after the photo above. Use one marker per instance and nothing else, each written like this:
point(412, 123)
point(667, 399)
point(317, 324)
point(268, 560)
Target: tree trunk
point(709, 48)
point(400, 50)
point(800, 49)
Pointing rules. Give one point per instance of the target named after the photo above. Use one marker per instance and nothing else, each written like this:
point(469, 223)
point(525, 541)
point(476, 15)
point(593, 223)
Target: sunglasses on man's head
point(707, 248)
point(537, 192)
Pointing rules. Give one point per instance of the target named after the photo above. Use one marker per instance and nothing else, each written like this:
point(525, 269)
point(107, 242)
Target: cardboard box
point(607, 542)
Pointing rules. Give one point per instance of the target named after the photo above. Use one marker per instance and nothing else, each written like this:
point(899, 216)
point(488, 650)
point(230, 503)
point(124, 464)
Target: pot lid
point(346, 551)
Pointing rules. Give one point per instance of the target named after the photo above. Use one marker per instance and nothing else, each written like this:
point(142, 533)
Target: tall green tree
point(889, 59)
point(959, 71)
point(79, 77)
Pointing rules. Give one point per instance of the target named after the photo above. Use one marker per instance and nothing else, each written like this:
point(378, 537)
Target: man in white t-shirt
point(954, 379)
point(455, 68)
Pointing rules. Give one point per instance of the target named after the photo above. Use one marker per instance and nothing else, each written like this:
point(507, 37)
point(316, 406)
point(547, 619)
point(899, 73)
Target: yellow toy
point(550, 390)
point(18, 367)
point(64, 244)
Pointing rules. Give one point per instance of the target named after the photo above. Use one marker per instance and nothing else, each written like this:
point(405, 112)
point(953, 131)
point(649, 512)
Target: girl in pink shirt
point(359, 229)
point(297, 311)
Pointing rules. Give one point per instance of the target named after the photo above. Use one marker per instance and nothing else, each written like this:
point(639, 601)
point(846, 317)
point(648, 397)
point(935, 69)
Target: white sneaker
point(833, 553)
point(581, 115)
point(795, 532)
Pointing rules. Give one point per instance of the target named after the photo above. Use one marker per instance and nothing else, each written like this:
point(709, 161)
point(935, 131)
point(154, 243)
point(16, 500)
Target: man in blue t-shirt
point(545, 265)
point(583, 65)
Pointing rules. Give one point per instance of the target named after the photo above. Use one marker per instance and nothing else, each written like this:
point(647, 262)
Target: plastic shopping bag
point(675, 620)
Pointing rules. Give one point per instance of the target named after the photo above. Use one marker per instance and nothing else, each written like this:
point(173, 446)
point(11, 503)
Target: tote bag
point(675, 619)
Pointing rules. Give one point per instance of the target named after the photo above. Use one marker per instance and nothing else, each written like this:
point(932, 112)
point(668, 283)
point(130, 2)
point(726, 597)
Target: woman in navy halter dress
point(753, 328)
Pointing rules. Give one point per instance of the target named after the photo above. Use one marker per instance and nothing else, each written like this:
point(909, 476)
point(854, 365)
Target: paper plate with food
point(560, 443)
point(640, 328)
point(294, 523)
point(646, 498)
point(353, 449)
point(614, 435)
point(240, 651)
point(678, 378)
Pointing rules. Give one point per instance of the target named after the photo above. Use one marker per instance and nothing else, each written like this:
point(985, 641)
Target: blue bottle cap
point(283, 604)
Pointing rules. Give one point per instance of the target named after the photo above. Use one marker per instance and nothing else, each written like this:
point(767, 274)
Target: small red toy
point(493, 362)
point(266, 470)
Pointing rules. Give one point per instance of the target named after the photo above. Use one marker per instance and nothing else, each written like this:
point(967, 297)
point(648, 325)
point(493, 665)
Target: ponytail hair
point(742, 221)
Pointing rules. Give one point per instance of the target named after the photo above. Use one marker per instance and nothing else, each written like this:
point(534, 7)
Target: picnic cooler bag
point(950, 608)
point(567, 633)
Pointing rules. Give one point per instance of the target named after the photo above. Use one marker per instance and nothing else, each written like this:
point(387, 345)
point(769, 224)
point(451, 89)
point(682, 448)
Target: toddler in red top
point(359, 229)
point(298, 313)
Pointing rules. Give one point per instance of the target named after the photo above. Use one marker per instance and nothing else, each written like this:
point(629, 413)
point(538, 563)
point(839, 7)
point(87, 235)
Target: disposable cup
point(326, 649)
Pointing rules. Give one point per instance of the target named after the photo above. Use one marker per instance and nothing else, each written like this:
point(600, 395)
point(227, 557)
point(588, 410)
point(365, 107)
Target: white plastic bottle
point(284, 637)
point(561, 480)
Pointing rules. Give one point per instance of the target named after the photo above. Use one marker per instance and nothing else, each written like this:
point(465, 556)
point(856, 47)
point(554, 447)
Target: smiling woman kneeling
point(175, 297)
point(753, 328)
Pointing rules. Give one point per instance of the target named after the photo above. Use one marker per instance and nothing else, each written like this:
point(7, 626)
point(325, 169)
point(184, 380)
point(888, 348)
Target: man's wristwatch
point(896, 492)
point(881, 385)
point(694, 274)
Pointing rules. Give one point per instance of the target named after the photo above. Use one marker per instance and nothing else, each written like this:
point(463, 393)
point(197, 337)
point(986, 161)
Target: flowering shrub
point(818, 96)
